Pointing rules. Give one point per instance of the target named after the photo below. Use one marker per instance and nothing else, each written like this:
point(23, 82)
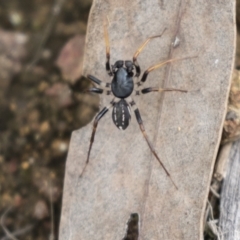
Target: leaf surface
point(123, 177)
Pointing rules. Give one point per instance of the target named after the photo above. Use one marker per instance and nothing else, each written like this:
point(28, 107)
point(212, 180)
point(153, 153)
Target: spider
point(122, 87)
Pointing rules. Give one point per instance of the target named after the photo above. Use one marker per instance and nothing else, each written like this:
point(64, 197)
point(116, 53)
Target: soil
point(41, 102)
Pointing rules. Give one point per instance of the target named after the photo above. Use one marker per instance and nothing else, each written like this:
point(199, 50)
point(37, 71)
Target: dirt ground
point(42, 101)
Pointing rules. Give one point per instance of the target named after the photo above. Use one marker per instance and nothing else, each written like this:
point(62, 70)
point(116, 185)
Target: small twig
point(51, 237)
point(215, 229)
point(213, 191)
point(18, 232)
point(210, 222)
point(9, 234)
point(56, 9)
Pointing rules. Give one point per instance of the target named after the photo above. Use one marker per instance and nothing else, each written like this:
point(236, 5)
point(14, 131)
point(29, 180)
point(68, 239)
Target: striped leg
point(98, 82)
point(140, 122)
point(99, 90)
point(105, 86)
point(139, 50)
point(156, 89)
point(145, 74)
point(95, 124)
point(108, 66)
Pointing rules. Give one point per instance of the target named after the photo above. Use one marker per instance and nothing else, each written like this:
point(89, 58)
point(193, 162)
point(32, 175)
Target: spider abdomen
point(122, 83)
point(121, 114)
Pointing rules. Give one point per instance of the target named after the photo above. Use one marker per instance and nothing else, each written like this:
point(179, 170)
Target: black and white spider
point(122, 86)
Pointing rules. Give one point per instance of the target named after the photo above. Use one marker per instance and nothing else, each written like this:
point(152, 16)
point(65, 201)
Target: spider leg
point(145, 74)
point(95, 124)
point(106, 37)
point(156, 89)
point(98, 82)
point(139, 50)
point(95, 90)
point(140, 122)
point(99, 91)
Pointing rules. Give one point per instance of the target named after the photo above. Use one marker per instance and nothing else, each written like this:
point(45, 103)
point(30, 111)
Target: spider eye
point(118, 64)
point(129, 64)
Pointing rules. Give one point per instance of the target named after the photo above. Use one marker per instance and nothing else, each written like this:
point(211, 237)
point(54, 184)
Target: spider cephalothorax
point(122, 83)
point(122, 87)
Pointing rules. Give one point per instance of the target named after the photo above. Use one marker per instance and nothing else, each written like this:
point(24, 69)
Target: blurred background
point(42, 101)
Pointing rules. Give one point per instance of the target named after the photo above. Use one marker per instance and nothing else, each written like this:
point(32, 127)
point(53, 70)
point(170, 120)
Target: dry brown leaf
point(123, 177)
